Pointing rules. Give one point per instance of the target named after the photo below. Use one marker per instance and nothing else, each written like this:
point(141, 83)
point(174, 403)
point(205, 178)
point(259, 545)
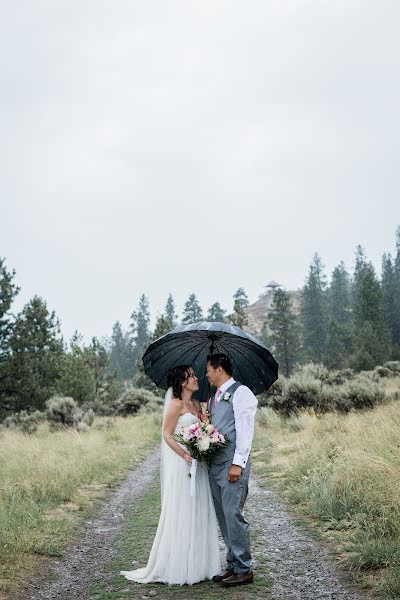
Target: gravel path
point(82, 564)
point(299, 567)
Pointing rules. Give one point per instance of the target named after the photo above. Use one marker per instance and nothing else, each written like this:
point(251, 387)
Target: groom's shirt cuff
point(244, 407)
point(240, 460)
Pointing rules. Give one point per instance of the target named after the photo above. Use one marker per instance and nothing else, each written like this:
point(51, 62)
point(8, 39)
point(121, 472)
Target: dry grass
point(343, 471)
point(49, 481)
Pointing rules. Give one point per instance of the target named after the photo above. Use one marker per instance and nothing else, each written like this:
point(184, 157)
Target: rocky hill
point(257, 312)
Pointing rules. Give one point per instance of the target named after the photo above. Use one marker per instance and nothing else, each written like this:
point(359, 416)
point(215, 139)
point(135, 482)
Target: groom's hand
point(234, 473)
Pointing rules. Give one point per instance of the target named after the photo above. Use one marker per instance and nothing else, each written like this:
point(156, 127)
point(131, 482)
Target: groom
point(232, 411)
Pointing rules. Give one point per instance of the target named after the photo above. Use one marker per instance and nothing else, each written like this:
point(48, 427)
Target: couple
point(186, 547)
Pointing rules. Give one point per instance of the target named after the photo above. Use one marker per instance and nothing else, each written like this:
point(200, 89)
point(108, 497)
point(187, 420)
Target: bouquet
point(202, 440)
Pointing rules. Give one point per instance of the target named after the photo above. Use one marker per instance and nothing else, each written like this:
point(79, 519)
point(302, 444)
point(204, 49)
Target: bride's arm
point(170, 421)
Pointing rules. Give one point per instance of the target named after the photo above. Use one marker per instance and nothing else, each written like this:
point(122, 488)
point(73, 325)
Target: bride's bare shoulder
point(175, 404)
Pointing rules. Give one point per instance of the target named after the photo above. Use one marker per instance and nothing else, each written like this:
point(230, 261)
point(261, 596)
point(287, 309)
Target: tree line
point(352, 321)
point(127, 347)
point(36, 363)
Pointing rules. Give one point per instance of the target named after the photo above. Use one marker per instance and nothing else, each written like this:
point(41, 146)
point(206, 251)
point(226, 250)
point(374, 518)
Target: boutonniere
point(226, 396)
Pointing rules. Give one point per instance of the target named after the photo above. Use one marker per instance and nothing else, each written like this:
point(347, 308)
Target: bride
point(186, 546)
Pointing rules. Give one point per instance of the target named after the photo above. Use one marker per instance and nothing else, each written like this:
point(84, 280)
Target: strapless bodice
point(185, 420)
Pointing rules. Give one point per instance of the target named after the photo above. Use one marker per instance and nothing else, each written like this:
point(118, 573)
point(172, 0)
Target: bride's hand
point(187, 458)
point(203, 417)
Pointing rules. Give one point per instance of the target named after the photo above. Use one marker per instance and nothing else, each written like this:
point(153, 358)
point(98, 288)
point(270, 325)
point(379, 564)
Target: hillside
point(257, 312)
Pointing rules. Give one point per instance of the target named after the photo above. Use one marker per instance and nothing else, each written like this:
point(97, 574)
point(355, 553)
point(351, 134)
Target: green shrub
point(272, 396)
point(129, 402)
point(360, 393)
point(262, 417)
point(154, 406)
point(63, 411)
point(383, 372)
point(60, 411)
point(302, 391)
point(83, 417)
point(314, 387)
point(393, 365)
point(341, 376)
point(27, 422)
point(134, 399)
point(313, 371)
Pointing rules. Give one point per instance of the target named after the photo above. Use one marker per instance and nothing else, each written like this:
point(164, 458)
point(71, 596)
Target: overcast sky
point(157, 146)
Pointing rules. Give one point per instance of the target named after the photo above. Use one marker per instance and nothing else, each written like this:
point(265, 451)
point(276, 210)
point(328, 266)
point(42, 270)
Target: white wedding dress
point(186, 546)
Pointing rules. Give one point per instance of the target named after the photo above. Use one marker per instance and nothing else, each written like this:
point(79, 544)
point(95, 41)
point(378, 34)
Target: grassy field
point(50, 481)
point(343, 472)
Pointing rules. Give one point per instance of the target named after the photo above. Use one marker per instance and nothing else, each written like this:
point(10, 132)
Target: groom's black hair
point(221, 360)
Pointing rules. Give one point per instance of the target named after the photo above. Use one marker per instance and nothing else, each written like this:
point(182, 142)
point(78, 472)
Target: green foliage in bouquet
point(202, 440)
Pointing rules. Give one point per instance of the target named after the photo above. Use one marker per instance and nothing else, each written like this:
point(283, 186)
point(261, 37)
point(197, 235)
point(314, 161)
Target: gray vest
point(223, 418)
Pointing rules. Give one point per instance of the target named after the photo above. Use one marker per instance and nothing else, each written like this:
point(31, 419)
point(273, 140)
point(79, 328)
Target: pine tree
point(396, 322)
point(140, 329)
point(163, 326)
point(371, 334)
point(8, 292)
point(192, 311)
point(360, 268)
point(337, 348)
point(389, 297)
point(77, 378)
point(107, 386)
point(216, 313)
point(170, 312)
point(121, 353)
point(284, 331)
point(167, 321)
point(36, 355)
point(239, 315)
point(314, 316)
point(265, 334)
point(339, 295)
point(340, 327)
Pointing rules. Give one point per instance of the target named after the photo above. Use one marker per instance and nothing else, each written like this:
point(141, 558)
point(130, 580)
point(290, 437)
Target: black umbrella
point(253, 365)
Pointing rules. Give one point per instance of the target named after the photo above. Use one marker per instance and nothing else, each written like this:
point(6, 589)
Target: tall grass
point(49, 480)
point(344, 471)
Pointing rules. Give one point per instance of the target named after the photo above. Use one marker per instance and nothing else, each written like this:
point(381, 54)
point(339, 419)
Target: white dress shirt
point(244, 405)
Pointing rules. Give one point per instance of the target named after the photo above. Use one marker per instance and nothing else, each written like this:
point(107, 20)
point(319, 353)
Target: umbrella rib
point(252, 361)
point(239, 369)
point(190, 349)
point(157, 352)
point(245, 357)
point(198, 354)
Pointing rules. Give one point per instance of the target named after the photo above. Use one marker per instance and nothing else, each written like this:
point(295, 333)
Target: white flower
point(203, 444)
point(226, 396)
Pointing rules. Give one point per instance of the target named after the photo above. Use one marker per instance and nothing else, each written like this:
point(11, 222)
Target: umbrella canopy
point(253, 365)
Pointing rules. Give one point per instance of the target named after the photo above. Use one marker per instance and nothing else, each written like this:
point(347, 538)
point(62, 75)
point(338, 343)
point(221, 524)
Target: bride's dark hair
point(176, 377)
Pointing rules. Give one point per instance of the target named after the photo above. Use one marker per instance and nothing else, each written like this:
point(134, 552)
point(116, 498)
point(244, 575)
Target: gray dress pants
point(229, 499)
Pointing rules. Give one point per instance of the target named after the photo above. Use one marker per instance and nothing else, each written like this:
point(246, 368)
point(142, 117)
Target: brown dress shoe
point(237, 579)
point(218, 578)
